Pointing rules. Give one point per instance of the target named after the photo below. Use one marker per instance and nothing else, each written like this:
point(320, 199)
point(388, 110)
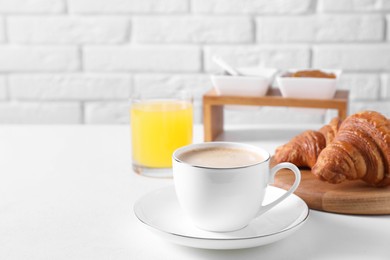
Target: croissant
point(360, 150)
point(304, 149)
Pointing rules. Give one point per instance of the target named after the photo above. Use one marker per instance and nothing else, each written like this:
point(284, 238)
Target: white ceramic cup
point(226, 199)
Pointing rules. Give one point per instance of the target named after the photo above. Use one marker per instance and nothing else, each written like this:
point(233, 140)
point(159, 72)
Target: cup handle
point(273, 172)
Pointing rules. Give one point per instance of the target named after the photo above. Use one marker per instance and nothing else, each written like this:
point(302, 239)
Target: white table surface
point(67, 192)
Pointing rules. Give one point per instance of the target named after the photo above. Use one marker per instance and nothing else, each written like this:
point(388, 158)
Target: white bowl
point(255, 82)
point(315, 88)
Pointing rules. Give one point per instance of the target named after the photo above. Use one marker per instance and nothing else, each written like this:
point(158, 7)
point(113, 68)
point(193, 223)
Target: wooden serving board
point(349, 197)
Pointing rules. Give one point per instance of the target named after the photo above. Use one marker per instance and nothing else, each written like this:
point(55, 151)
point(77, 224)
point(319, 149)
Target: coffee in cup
point(220, 157)
point(221, 185)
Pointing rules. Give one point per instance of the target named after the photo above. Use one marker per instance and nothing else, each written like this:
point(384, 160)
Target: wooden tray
point(213, 106)
point(350, 197)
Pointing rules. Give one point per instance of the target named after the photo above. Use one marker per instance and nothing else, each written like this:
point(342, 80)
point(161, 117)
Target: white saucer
point(161, 213)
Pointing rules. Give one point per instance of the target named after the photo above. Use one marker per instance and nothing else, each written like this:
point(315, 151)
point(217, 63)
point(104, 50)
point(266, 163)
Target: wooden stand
point(213, 106)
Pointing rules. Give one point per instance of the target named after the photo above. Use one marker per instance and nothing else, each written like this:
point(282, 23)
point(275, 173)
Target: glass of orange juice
point(158, 127)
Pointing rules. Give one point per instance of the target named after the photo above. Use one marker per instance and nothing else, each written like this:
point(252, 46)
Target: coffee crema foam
point(220, 157)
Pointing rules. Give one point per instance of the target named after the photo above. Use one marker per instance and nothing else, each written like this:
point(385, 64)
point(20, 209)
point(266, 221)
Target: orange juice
point(158, 128)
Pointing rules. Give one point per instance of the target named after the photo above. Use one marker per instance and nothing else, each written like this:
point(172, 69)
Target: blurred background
point(79, 61)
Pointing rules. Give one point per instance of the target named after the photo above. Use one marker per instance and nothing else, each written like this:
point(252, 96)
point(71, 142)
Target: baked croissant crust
point(360, 150)
point(304, 149)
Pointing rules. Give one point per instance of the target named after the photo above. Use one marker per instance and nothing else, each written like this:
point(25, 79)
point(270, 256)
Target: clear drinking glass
point(158, 127)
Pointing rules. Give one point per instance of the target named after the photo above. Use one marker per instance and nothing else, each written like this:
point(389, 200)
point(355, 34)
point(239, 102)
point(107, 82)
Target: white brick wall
point(388, 27)
point(3, 88)
point(143, 58)
point(38, 58)
point(385, 91)
point(79, 61)
point(196, 29)
point(128, 6)
point(43, 112)
point(252, 6)
point(2, 30)
point(197, 84)
point(362, 86)
point(67, 29)
point(362, 57)
point(69, 86)
point(107, 113)
point(353, 5)
point(31, 6)
point(320, 28)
